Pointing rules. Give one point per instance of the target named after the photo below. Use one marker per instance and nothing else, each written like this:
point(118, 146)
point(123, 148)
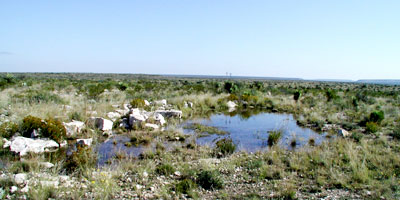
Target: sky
point(341, 39)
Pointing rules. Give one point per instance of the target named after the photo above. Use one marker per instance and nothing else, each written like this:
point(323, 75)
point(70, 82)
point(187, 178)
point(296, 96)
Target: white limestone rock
point(74, 127)
point(23, 145)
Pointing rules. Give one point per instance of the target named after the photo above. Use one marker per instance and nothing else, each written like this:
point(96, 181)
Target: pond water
point(248, 132)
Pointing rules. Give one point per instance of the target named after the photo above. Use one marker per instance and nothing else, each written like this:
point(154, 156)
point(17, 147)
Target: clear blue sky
point(306, 39)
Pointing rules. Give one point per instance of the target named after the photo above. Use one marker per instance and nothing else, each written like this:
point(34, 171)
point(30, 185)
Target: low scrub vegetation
point(172, 165)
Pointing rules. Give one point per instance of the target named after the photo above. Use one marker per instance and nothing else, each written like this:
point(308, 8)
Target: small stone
point(177, 173)
point(25, 189)
point(20, 178)
point(145, 174)
point(139, 187)
point(13, 189)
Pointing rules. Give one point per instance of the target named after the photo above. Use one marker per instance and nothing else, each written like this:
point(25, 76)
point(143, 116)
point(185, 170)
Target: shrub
point(296, 95)
point(50, 128)
point(185, 186)
point(371, 127)
point(356, 136)
point(80, 160)
point(8, 129)
point(209, 180)
point(225, 146)
point(274, 137)
point(330, 95)
point(76, 116)
point(165, 169)
point(377, 117)
point(138, 103)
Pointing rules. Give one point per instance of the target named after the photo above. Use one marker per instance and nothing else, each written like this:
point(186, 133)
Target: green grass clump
point(200, 128)
point(82, 159)
point(8, 129)
point(165, 169)
point(274, 137)
point(209, 180)
point(49, 128)
point(225, 146)
point(371, 127)
point(185, 186)
point(377, 117)
point(36, 97)
point(138, 103)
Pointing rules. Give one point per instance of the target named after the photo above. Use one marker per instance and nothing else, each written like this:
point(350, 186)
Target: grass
point(274, 137)
point(363, 162)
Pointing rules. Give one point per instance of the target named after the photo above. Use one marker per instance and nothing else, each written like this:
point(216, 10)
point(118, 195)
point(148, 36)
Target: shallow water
point(250, 133)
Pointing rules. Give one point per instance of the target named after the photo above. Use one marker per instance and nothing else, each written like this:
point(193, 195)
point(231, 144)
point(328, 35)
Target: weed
point(225, 146)
point(165, 169)
point(50, 128)
point(200, 128)
point(274, 137)
point(371, 127)
point(209, 180)
point(8, 129)
point(185, 186)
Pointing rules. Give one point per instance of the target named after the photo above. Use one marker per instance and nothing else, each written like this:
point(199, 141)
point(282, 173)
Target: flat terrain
point(359, 161)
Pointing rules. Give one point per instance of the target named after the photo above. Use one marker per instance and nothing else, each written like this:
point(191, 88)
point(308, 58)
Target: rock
point(169, 113)
point(137, 116)
point(23, 145)
point(113, 115)
point(138, 186)
point(115, 106)
point(84, 142)
point(146, 103)
point(6, 143)
point(177, 173)
point(25, 189)
point(35, 134)
point(190, 104)
point(91, 113)
point(20, 178)
point(101, 123)
point(159, 118)
point(13, 189)
point(63, 144)
point(49, 183)
point(46, 164)
point(124, 123)
point(162, 102)
point(153, 126)
point(343, 133)
point(127, 106)
point(145, 174)
point(231, 104)
point(73, 127)
point(66, 107)
point(122, 112)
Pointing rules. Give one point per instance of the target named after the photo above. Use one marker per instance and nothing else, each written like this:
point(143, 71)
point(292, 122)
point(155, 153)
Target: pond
point(248, 132)
point(251, 133)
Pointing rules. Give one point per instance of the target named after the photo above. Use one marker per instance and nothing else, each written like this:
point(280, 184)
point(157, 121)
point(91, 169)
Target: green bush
point(377, 117)
point(80, 160)
point(185, 186)
point(8, 129)
point(138, 103)
point(371, 127)
point(225, 146)
point(49, 128)
point(331, 94)
point(209, 180)
point(274, 137)
point(296, 95)
point(165, 169)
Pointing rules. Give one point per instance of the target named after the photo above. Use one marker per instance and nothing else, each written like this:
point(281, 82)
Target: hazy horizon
point(349, 40)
